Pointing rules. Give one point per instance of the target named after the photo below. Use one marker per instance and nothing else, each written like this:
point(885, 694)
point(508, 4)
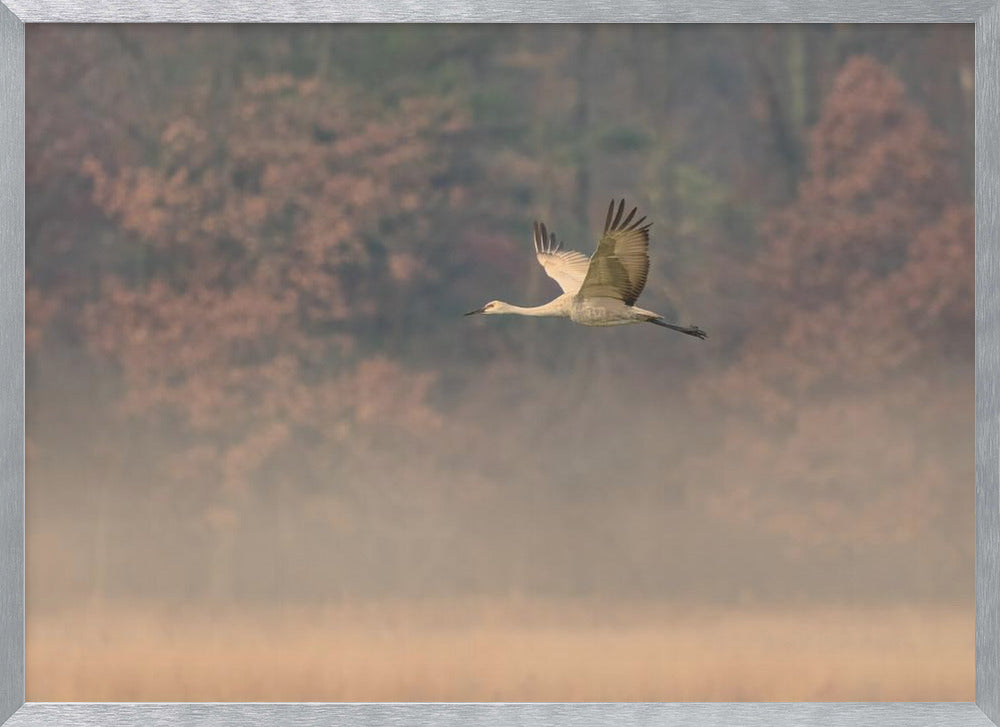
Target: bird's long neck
point(552, 308)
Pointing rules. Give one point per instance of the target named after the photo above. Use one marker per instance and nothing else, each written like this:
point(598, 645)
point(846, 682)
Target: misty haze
point(270, 459)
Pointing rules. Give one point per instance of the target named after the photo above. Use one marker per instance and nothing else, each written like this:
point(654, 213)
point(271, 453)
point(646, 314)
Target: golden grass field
point(510, 650)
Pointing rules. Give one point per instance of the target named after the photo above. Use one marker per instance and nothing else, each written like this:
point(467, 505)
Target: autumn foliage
point(263, 254)
point(861, 336)
point(876, 252)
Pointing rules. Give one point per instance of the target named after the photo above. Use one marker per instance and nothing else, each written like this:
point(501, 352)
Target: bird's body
point(600, 290)
point(585, 311)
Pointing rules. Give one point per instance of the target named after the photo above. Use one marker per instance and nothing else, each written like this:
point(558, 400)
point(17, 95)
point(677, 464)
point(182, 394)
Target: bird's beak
point(477, 310)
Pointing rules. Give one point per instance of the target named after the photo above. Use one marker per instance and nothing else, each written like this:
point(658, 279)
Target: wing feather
point(567, 267)
point(619, 266)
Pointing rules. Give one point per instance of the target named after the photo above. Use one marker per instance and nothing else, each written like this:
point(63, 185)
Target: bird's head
point(491, 308)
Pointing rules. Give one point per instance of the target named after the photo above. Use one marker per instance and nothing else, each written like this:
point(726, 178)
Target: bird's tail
point(689, 330)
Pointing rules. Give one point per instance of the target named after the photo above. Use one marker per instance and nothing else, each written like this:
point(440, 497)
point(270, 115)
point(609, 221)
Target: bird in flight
point(600, 290)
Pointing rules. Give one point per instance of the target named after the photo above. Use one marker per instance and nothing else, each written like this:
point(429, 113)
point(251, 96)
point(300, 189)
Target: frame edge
point(12, 208)
point(506, 11)
point(987, 359)
point(12, 201)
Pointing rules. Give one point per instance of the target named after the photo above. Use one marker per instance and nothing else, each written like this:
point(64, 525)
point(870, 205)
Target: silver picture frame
point(985, 14)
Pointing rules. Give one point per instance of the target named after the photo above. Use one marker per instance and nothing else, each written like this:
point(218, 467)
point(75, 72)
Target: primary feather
point(619, 266)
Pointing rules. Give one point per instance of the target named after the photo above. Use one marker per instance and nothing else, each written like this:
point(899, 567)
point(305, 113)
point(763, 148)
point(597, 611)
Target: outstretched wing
point(566, 267)
point(619, 266)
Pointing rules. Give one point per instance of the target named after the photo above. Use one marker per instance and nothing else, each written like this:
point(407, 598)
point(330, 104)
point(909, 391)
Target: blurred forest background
point(257, 418)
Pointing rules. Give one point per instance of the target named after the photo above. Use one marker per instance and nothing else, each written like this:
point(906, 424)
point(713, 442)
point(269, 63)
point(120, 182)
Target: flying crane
point(600, 290)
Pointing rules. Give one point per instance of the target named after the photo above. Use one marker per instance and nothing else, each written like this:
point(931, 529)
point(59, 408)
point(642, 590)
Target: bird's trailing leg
point(689, 330)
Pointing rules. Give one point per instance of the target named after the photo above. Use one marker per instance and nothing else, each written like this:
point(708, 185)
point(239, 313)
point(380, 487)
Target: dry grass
point(514, 650)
